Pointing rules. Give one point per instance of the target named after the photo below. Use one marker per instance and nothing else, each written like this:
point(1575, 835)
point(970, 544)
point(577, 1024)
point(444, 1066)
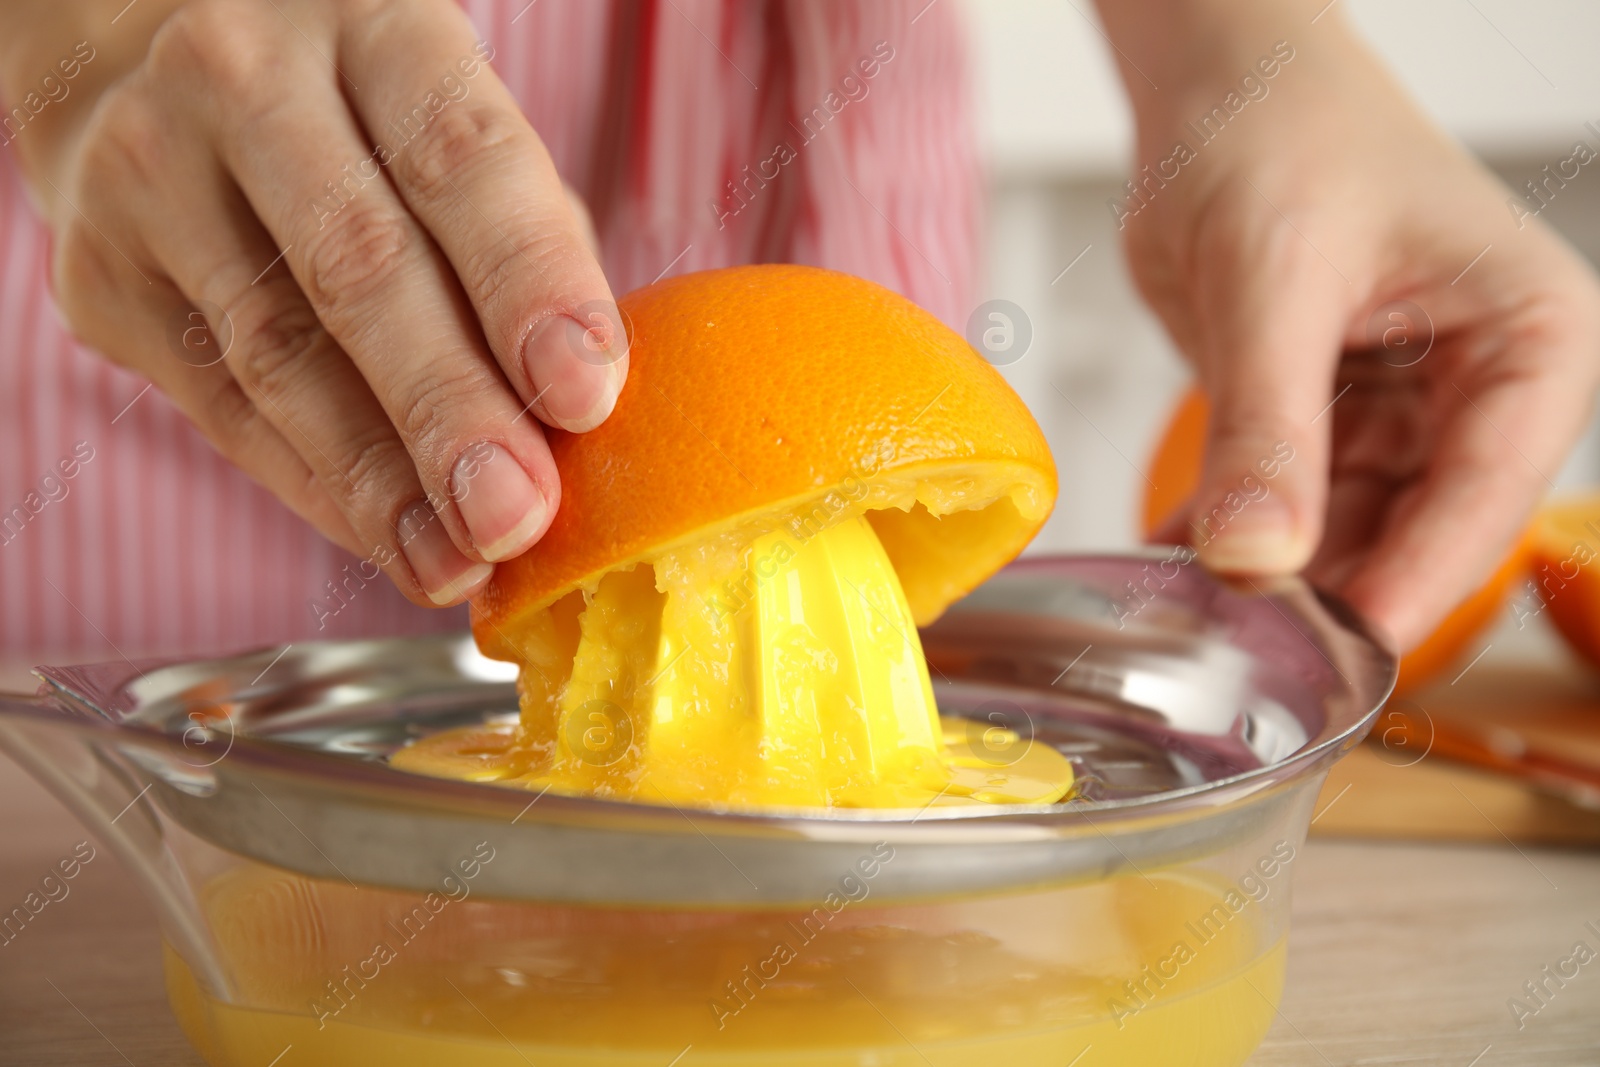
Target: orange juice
point(1135, 970)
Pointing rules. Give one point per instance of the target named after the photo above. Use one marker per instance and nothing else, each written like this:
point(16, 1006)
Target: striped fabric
point(703, 133)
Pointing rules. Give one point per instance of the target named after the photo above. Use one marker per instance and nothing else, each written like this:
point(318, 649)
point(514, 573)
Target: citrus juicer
point(312, 896)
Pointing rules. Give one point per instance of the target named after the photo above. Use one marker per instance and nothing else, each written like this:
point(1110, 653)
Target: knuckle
point(457, 138)
point(269, 351)
point(424, 414)
point(511, 278)
point(1246, 439)
point(125, 139)
point(225, 42)
point(230, 420)
point(354, 258)
point(1235, 226)
point(1224, 230)
point(369, 465)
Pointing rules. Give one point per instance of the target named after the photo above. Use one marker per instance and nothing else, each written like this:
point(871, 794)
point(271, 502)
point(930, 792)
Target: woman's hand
point(1346, 281)
point(326, 231)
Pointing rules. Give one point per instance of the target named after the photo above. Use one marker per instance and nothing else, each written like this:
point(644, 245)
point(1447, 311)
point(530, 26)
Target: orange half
point(802, 468)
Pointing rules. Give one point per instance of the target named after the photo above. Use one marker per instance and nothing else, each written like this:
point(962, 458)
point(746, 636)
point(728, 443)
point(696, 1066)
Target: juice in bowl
point(1136, 969)
point(740, 808)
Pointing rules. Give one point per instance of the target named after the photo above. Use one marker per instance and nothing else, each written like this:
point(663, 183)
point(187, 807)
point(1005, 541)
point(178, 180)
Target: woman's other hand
point(1351, 286)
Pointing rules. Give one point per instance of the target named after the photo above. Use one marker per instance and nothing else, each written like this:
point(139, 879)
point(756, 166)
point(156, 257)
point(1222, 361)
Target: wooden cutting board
point(1526, 700)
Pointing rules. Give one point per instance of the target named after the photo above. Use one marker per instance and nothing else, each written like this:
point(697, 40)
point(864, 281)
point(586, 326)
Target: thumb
point(1272, 341)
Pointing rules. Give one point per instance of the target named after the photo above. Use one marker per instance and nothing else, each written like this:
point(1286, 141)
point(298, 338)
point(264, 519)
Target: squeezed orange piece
point(796, 680)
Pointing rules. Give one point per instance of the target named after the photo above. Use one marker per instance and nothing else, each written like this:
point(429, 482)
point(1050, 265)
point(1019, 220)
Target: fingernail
point(443, 572)
point(1262, 537)
point(502, 507)
point(576, 365)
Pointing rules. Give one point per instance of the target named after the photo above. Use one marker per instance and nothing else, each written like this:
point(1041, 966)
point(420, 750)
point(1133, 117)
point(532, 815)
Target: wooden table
point(1401, 954)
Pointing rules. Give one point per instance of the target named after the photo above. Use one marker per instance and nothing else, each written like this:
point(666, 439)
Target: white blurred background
point(1516, 81)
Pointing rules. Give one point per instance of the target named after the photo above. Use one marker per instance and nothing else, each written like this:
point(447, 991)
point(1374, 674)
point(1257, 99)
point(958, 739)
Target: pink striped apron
point(736, 132)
